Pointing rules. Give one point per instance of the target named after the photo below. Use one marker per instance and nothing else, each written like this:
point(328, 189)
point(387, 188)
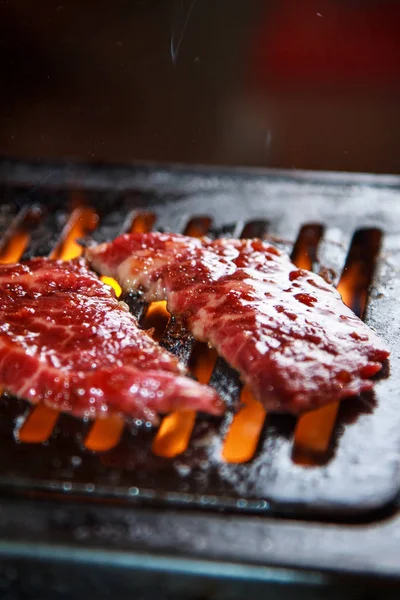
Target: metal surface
point(64, 549)
point(361, 476)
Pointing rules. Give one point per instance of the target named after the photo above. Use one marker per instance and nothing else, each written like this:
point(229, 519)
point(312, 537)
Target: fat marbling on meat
point(286, 331)
point(65, 340)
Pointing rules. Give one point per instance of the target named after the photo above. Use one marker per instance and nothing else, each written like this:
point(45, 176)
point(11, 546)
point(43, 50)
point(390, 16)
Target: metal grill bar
point(349, 483)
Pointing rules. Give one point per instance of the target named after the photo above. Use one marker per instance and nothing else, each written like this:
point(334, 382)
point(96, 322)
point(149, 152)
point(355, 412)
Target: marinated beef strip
point(65, 340)
point(284, 329)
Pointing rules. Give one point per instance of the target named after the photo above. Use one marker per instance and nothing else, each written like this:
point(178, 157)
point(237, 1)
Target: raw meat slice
point(284, 329)
point(65, 340)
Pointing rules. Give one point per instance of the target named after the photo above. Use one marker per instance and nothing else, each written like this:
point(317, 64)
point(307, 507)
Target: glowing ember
point(174, 434)
point(143, 222)
point(105, 434)
point(38, 425)
point(313, 434)
point(241, 442)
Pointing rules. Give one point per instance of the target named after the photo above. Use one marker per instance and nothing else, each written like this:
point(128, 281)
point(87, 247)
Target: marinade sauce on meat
point(65, 340)
point(285, 330)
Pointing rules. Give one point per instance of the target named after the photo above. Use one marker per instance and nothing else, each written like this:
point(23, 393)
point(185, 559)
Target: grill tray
point(362, 474)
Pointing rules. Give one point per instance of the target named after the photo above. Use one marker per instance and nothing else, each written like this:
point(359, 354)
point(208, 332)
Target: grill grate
point(326, 224)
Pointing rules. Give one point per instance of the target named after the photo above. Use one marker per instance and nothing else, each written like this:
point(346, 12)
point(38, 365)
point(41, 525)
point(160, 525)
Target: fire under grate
point(339, 461)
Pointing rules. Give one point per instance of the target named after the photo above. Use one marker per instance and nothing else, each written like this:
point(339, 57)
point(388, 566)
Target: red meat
point(284, 329)
point(65, 340)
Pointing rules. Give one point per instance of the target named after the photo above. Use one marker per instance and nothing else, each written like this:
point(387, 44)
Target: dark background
point(286, 83)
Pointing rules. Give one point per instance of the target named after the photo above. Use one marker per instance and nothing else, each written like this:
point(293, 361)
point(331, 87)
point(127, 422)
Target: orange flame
point(156, 318)
point(81, 222)
point(112, 283)
point(143, 222)
point(14, 247)
point(241, 441)
point(304, 262)
point(313, 434)
point(174, 434)
point(105, 433)
point(39, 424)
point(198, 226)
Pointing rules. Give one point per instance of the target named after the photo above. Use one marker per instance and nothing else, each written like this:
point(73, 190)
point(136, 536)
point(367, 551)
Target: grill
point(337, 464)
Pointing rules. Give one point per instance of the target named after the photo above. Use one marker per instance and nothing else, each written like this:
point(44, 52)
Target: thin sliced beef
point(65, 340)
point(284, 329)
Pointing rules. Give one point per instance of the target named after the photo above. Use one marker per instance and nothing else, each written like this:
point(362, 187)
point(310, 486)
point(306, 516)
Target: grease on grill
point(313, 442)
point(314, 430)
point(350, 483)
point(178, 340)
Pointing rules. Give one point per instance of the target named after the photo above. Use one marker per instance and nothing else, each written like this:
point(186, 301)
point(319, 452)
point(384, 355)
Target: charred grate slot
point(304, 254)
point(44, 237)
point(140, 222)
point(81, 222)
point(17, 235)
point(257, 228)
point(178, 340)
point(136, 305)
point(358, 272)
point(197, 459)
point(143, 222)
